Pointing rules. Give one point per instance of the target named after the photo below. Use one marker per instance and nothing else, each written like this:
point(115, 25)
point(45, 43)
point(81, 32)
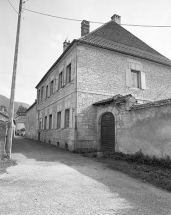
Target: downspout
point(75, 133)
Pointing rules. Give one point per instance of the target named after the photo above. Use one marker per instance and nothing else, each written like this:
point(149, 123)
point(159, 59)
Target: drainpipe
point(75, 133)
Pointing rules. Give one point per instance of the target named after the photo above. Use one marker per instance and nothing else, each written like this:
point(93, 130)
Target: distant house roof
point(4, 114)
point(114, 37)
point(117, 99)
point(31, 106)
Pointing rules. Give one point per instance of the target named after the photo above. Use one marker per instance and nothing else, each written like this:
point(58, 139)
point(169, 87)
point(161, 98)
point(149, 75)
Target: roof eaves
point(31, 106)
point(56, 62)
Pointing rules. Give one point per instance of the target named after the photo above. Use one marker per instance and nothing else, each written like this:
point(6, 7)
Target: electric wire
point(12, 6)
point(79, 20)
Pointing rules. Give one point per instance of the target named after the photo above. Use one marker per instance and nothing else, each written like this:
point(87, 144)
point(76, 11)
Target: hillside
point(5, 101)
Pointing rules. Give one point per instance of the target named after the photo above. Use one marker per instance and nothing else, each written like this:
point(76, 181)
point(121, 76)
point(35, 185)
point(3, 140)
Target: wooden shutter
point(128, 78)
point(143, 81)
point(56, 82)
point(64, 77)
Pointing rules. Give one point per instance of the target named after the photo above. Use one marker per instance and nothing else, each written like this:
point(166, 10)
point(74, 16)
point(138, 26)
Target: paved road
point(50, 181)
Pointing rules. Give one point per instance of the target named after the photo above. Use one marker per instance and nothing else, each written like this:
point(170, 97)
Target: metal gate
point(108, 132)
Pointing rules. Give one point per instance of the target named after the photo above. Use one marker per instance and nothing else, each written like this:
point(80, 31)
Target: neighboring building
point(31, 130)
point(101, 64)
point(4, 116)
point(3, 108)
point(20, 120)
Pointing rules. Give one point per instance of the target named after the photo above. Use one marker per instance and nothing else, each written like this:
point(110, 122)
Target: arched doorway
point(108, 132)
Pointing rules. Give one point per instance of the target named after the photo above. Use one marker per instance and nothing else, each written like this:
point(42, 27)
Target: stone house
point(102, 64)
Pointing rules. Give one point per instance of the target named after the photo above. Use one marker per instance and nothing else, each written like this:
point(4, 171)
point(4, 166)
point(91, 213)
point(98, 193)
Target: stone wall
point(2, 137)
point(147, 129)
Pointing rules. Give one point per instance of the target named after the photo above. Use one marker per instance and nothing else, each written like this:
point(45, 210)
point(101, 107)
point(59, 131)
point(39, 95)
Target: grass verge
point(156, 171)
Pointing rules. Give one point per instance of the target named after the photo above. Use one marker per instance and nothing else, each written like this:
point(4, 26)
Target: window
point(50, 121)
point(59, 120)
point(68, 74)
point(42, 93)
point(46, 91)
point(51, 88)
point(45, 123)
point(67, 118)
point(60, 80)
point(135, 77)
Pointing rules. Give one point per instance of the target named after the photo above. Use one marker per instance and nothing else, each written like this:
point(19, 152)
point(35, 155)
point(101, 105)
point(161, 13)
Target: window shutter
point(143, 82)
point(56, 84)
point(64, 77)
point(62, 118)
point(52, 121)
point(70, 120)
point(128, 78)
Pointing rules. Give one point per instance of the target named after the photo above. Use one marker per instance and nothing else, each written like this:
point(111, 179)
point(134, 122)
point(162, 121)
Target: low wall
point(2, 138)
point(147, 128)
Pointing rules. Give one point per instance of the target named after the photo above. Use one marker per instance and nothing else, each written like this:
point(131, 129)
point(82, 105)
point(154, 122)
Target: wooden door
point(108, 132)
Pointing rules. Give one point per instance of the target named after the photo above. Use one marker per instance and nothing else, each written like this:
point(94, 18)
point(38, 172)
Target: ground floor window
point(67, 116)
point(59, 120)
point(50, 121)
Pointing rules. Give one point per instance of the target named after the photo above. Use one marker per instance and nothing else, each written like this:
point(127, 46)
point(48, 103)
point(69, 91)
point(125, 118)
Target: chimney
point(85, 27)
point(65, 45)
point(116, 18)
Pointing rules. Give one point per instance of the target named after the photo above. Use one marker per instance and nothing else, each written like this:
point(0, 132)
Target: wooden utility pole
point(11, 107)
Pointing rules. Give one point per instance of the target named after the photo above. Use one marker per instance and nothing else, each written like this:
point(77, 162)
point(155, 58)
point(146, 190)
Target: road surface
point(51, 181)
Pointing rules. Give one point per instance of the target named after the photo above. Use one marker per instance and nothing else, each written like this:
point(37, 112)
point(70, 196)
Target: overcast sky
point(41, 37)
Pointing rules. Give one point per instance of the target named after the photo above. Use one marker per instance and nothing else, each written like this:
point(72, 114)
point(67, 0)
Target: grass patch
point(5, 163)
point(150, 169)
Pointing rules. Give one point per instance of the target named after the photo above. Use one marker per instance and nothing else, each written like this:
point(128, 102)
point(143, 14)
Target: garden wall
point(146, 127)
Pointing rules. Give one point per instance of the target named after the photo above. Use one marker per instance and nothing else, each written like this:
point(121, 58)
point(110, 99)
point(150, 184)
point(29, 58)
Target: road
point(51, 181)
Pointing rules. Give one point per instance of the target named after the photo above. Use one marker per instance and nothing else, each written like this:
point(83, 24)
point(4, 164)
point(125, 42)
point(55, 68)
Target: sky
point(42, 37)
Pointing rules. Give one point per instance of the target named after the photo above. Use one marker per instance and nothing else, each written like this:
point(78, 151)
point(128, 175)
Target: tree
point(21, 110)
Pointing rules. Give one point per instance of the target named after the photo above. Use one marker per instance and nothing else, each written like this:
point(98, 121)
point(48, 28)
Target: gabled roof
point(114, 37)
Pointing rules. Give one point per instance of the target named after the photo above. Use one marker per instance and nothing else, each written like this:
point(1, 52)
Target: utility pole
point(11, 107)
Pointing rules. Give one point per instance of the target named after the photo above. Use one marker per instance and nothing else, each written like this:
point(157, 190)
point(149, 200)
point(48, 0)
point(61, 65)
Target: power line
point(79, 20)
point(12, 6)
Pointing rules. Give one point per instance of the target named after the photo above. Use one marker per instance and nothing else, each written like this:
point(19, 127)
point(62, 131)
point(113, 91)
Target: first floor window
point(68, 74)
point(67, 116)
point(45, 123)
point(60, 81)
point(51, 88)
point(59, 120)
point(50, 121)
point(46, 91)
point(135, 77)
